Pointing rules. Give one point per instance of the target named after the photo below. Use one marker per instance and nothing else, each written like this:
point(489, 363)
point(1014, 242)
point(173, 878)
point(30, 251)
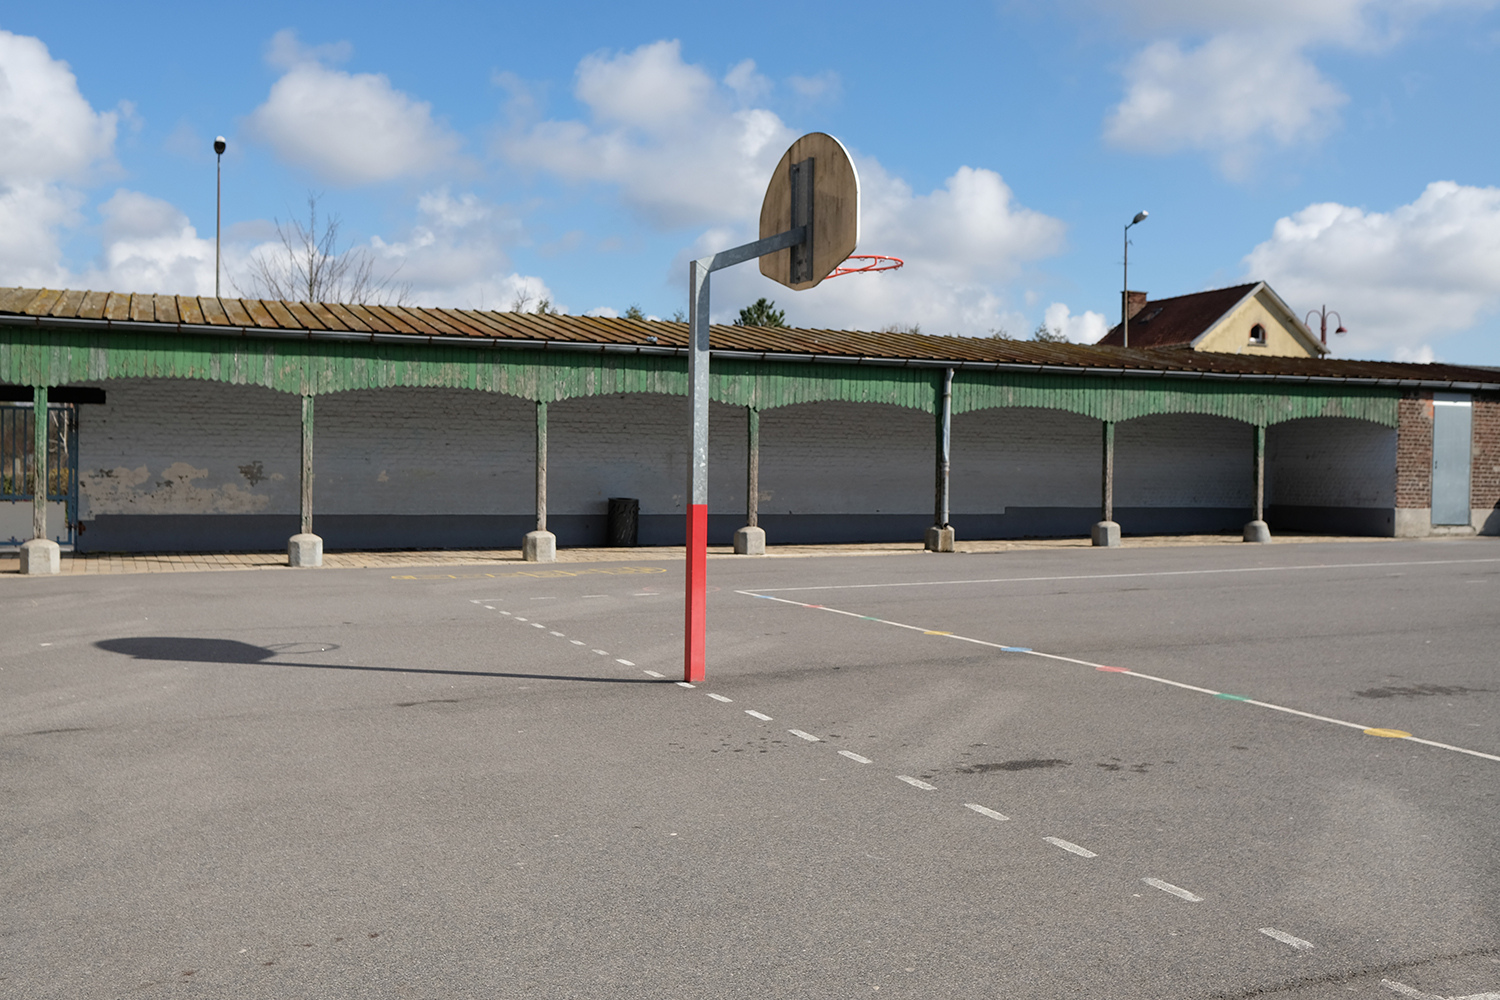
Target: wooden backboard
point(833, 204)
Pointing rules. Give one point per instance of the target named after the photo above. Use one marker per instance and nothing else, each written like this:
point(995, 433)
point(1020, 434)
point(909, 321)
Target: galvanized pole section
point(1260, 473)
point(541, 465)
point(307, 464)
point(219, 218)
point(752, 468)
point(1108, 485)
point(945, 442)
point(39, 462)
point(1125, 300)
point(694, 653)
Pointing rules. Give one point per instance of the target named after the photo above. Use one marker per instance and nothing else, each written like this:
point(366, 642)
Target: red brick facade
point(1414, 451)
point(1485, 478)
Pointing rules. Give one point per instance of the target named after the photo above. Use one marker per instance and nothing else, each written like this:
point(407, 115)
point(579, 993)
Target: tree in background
point(634, 312)
point(1048, 334)
point(310, 267)
point(762, 313)
point(915, 329)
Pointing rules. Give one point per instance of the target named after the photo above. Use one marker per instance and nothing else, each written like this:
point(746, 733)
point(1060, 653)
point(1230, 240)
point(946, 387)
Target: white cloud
point(677, 145)
point(349, 128)
point(1087, 328)
point(1400, 279)
point(150, 247)
point(826, 85)
point(1233, 79)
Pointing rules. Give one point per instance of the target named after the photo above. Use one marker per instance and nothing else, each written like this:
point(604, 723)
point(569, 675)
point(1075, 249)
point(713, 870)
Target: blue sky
point(1344, 150)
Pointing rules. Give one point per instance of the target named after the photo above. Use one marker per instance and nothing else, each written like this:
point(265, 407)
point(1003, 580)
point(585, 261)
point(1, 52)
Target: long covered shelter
point(202, 424)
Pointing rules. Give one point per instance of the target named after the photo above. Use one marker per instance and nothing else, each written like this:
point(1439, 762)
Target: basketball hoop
point(871, 262)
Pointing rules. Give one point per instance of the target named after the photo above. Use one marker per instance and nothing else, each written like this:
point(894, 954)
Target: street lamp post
point(1323, 315)
point(1125, 292)
point(219, 146)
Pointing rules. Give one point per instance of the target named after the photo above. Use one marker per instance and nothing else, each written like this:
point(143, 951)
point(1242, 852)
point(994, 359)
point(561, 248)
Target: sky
point(494, 155)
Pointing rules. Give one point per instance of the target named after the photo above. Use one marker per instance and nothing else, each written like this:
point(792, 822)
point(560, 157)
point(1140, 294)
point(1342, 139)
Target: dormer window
point(1258, 335)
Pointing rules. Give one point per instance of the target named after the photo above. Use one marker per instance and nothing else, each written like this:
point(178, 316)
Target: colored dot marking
point(1392, 733)
point(816, 607)
point(1114, 670)
point(1015, 649)
point(1231, 697)
point(937, 633)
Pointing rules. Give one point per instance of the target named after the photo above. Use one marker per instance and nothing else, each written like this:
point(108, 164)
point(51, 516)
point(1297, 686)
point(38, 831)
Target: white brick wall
point(1331, 462)
point(1024, 457)
point(1184, 460)
point(842, 458)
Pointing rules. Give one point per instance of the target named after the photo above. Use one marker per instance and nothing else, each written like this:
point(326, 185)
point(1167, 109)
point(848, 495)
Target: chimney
point(1134, 303)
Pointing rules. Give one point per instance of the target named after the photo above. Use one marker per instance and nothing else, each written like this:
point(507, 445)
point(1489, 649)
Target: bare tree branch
point(310, 267)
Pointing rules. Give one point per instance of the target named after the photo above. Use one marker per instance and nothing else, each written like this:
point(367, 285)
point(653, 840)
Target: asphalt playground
point(1227, 771)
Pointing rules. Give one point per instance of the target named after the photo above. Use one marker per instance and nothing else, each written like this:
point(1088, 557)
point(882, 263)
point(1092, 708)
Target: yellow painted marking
point(1393, 733)
point(937, 633)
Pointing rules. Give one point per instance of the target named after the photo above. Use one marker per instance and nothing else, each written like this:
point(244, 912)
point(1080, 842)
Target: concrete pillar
point(40, 556)
point(751, 539)
point(540, 545)
point(1256, 530)
point(940, 536)
point(1107, 533)
point(306, 548)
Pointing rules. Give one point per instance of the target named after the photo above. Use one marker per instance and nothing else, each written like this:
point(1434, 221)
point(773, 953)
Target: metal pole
point(218, 217)
point(752, 470)
point(541, 465)
point(945, 441)
point(1125, 296)
point(39, 462)
point(694, 655)
point(307, 463)
point(1108, 485)
point(1260, 473)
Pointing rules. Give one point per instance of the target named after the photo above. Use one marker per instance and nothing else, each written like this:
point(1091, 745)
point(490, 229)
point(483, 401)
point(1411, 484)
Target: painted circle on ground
point(1393, 733)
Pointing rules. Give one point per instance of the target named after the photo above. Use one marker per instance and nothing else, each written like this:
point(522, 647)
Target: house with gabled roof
point(1248, 319)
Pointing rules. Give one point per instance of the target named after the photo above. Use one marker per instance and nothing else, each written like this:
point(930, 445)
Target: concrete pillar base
point(1256, 531)
point(539, 546)
point(750, 541)
point(940, 539)
point(40, 557)
point(1106, 534)
point(304, 550)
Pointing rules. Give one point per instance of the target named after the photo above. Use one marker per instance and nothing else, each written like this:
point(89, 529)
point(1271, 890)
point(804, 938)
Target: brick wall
point(840, 458)
point(1414, 451)
point(1485, 480)
point(1024, 458)
point(1331, 462)
point(1184, 460)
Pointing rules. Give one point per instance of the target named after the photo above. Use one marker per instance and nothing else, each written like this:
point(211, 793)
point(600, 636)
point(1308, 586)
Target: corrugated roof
point(254, 317)
point(1179, 320)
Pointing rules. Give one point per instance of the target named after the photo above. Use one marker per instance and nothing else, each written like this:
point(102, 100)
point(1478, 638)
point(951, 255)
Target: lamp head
point(1139, 217)
point(1341, 329)
point(220, 145)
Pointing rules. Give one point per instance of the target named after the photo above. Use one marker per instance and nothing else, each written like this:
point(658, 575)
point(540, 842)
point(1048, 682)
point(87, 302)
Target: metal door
point(18, 476)
point(1452, 416)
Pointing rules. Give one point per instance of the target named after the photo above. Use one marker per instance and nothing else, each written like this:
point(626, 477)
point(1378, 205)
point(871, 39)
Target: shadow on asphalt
point(197, 650)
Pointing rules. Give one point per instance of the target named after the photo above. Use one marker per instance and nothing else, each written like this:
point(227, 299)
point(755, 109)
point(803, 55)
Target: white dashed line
point(1068, 845)
point(720, 697)
point(537, 625)
point(576, 642)
point(854, 757)
point(518, 617)
point(757, 715)
point(489, 607)
point(602, 652)
point(626, 662)
point(981, 810)
point(560, 635)
point(1175, 890)
point(685, 684)
point(916, 782)
point(1286, 938)
point(653, 673)
point(809, 737)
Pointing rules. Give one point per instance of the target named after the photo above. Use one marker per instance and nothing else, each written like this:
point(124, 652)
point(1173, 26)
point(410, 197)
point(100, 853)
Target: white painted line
point(601, 652)
point(560, 635)
point(1175, 890)
point(1122, 576)
point(855, 757)
point(489, 607)
point(685, 684)
point(916, 782)
point(653, 673)
point(720, 697)
point(626, 662)
point(981, 810)
point(537, 625)
point(758, 715)
point(504, 612)
point(809, 737)
point(1286, 938)
point(1068, 845)
point(576, 642)
point(520, 619)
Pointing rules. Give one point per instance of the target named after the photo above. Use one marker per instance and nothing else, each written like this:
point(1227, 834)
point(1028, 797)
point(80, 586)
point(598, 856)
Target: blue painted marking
point(1015, 649)
point(1232, 697)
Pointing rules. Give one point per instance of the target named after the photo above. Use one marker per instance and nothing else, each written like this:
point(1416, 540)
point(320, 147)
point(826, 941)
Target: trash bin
point(624, 522)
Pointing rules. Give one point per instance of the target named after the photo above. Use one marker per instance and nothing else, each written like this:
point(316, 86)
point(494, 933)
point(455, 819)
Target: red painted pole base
point(697, 592)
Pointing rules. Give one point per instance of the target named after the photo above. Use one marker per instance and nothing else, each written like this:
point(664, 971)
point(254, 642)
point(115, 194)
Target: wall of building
point(1484, 481)
point(1232, 336)
point(1331, 474)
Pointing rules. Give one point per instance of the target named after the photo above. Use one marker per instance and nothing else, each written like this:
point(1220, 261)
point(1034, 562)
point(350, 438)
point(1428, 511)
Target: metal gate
point(18, 469)
point(1452, 423)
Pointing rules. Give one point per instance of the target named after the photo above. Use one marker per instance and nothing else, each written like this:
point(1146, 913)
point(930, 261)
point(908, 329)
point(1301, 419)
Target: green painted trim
point(318, 367)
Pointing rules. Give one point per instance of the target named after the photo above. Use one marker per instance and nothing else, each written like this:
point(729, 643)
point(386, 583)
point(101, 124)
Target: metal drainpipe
point(945, 442)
